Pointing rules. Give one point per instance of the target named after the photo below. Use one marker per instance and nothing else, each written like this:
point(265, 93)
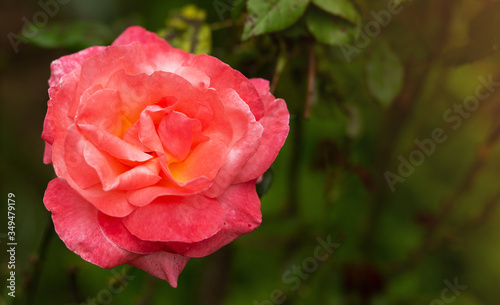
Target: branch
point(32, 281)
point(311, 79)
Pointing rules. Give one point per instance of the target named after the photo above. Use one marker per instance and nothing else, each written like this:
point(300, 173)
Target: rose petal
point(196, 165)
point(163, 265)
point(112, 203)
point(147, 129)
point(146, 124)
point(158, 50)
point(138, 177)
point(47, 153)
point(68, 63)
point(139, 34)
point(57, 120)
point(102, 109)
point(182, 219)
point(75, 221)
point(58, 158)
point(142, 90)
point(242, 207)
point(113, 145)
point(78, 169)
point(276, 128)
point(246, 139)
point(131, 136)
point(117, 176)
point(178, 134)
point(211, 113)
point(194, 76)
point(205, 114)
point(222, 76)
point(99, 68)
point(144, 196)
point(116, 232)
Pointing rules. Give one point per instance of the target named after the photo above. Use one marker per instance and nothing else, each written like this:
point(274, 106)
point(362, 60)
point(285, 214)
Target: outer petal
point(246, 140)
point(75, 221)
point(66, 64)
point(163, 265)
point(184, 219)
point(47, 153)
point(222, 76)
point(242, 207)
point(158, 50)
point(276, 128)
point(116, 232)
point(57, 120)
point(58, 159)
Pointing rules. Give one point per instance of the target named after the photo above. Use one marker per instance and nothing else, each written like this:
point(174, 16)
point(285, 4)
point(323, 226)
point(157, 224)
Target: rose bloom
point(156, 152)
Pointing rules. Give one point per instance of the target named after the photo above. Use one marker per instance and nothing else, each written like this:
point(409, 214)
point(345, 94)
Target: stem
point(148, 290)
point(294, 168)
point(222, 25)
point(75, 293)
point(311, 78)
point(216, 279)
point(32, 282)
point(280, 64)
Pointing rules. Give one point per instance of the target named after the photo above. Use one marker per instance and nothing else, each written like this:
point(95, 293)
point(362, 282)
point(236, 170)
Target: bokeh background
point(392, 155)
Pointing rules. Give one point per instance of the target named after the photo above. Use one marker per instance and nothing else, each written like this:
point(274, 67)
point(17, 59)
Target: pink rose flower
point(156, 152)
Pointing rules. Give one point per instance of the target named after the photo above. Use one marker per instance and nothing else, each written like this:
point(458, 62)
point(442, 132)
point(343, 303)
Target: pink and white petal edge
point(75, 221)
point(68, 63)
point(276, 127)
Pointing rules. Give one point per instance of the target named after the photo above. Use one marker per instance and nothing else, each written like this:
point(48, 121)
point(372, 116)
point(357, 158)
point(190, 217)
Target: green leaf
point(384, 74)
point(238, 8)
point(265, 16)
point(76, 35)
point(342, 8)
point(329, 29)
point(186, 30)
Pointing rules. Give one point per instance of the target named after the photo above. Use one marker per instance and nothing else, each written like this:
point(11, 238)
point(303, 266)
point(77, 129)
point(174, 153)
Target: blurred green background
point(392, 153)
